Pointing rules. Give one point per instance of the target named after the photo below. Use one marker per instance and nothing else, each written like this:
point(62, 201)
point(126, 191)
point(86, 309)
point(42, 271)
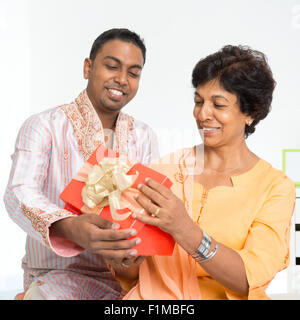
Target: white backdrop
point(44, 42)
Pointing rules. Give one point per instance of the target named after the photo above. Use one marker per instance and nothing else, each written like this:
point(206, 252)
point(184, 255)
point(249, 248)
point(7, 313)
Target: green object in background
point(286, 165)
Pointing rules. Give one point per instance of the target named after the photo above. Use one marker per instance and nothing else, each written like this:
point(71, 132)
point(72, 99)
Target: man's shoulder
point(47, 116)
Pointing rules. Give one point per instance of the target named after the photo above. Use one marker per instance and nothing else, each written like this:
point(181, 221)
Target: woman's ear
point(249, 121)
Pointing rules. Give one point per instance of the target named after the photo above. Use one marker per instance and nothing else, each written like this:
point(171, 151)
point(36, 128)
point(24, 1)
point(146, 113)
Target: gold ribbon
point(108, 184)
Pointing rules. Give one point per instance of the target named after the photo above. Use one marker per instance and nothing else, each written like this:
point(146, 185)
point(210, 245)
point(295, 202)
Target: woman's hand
point(226, 267)
point(163, 209)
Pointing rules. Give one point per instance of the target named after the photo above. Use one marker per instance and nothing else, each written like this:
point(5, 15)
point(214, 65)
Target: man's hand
point(97, 235)
point(126, 268)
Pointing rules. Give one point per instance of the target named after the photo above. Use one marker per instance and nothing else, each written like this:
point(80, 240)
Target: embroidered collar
point(89, 130)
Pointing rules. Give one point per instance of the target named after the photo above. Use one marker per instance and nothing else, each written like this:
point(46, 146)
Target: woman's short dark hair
point(244, 72)
point(117, 34)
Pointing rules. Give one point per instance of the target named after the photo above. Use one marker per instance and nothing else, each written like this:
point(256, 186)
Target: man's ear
point(87, 65)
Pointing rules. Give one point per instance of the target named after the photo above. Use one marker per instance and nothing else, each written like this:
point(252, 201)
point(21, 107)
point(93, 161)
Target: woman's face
point(218, 115)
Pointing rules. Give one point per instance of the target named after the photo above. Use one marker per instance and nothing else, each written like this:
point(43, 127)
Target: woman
point(230, 217)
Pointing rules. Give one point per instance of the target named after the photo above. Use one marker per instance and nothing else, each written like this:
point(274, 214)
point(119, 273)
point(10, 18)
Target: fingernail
point(137, 240)
point(139, 186)
point(133, 232)
point(147, 179)
point(142, 211)
point(133, 215)
point(133, 253)
point(136, 196)
point(115, 226)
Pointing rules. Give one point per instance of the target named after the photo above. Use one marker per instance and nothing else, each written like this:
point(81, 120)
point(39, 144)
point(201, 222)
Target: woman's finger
point(153, 195)
point(162, 190)
point(154, 221)
point(146, 203)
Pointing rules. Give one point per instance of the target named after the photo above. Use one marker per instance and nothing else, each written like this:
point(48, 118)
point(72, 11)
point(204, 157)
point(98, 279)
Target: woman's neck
point(227, 158)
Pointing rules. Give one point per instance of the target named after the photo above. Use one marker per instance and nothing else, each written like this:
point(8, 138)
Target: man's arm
point(97, 235)
point(25, 202)
point(37, 215)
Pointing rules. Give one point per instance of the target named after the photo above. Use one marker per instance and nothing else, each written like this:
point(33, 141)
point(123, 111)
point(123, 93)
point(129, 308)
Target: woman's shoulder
point(274, 177)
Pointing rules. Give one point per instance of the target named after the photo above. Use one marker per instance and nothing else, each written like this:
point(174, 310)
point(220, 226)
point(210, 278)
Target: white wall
point(14, 86)
point(44, 43)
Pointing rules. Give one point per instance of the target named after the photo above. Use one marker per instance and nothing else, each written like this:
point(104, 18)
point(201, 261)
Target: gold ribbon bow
point(108, 184)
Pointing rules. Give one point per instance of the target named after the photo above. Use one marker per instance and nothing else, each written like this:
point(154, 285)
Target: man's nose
point(122, 78)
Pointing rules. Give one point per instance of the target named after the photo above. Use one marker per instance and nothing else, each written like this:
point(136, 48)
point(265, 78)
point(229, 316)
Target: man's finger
point(115, 245)
point(101, 222)
point(111, 235)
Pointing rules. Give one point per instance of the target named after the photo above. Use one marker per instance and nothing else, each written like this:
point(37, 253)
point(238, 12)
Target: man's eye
point(134, 75)
point(111, 67)
point(198, 103)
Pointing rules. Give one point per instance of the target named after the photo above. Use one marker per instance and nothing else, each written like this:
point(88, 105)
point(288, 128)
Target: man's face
point(113, 76)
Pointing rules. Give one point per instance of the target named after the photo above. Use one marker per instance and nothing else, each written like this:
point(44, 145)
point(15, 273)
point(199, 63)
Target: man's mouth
point(116, 92)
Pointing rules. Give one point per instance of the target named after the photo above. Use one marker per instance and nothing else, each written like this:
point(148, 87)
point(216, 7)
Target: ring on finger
point(155, 214)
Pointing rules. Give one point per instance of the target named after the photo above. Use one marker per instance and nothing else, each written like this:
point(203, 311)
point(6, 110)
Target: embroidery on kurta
point(41, 220)
point(88, 127)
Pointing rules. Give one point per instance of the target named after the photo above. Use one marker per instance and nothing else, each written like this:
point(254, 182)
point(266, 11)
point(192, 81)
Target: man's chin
point(114, 107)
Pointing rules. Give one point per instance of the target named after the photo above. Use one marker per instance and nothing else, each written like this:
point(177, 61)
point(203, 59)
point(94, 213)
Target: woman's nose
point(203, 113)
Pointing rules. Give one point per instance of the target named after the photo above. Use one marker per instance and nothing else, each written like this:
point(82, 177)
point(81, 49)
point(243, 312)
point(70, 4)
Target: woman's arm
point(226, 266)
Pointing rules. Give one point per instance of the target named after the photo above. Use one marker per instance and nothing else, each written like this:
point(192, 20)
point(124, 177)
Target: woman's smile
point(210, 131)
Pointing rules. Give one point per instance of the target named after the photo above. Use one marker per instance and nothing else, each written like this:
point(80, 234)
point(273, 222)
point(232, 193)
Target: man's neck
point(108, 120)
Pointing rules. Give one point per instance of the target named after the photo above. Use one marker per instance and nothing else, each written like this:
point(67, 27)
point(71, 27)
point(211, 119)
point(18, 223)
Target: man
point(65, 254)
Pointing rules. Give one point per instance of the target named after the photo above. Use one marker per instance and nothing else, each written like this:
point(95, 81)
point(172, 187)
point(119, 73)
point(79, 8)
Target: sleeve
point(266, 250)
point(24, 199)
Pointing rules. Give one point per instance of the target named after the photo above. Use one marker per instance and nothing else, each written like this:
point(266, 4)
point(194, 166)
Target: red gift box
point(154, 241)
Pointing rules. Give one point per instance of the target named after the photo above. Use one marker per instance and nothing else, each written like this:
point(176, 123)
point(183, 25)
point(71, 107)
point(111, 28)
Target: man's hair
point(117, 34)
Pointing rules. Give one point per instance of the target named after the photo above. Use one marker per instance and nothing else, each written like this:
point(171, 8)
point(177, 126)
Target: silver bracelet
point(211, 255)
point(204, 247)
point(201, 254)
